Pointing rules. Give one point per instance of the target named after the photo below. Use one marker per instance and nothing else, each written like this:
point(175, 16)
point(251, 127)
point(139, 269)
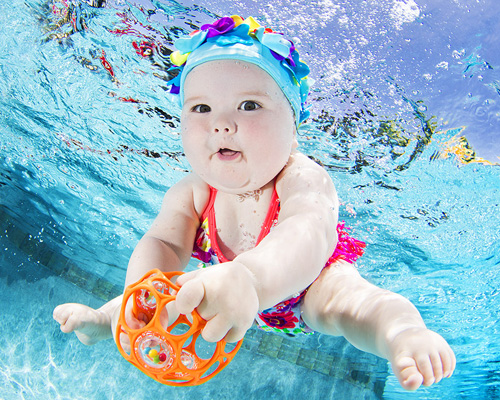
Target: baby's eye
point(249, 105)
point(201, 108)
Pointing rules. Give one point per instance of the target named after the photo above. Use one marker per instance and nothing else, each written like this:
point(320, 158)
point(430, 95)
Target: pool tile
point(14, 234)
point(106, 290)
point(270, 345)
point(57, 263)
point(288, 352)
point(306, 358)
point(323, 363)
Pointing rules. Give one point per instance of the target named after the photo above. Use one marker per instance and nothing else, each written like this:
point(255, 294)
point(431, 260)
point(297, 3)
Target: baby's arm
point(291, 257)
point(166, 246)
point(285, 262)
point(341, 302)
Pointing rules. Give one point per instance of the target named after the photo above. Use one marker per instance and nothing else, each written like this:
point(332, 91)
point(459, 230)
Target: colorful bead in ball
point(153, 353)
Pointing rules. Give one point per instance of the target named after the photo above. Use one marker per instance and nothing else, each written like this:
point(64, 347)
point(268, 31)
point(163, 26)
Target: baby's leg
point(90, 325)
point(341, 302)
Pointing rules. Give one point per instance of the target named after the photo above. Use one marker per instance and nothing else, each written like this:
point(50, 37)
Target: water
point(87, 152)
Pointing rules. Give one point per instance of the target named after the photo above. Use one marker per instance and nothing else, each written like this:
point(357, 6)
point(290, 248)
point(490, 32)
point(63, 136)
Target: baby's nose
point(224, 124)
point(225, 130)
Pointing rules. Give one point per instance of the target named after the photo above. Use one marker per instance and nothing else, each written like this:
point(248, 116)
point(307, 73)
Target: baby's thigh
point(320, 308)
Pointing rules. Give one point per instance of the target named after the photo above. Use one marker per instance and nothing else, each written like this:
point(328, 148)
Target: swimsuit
point(284, 317)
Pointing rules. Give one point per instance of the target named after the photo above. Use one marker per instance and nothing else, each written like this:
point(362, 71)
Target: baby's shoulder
point(302, 168)
point(194, 188)
point(301, 178)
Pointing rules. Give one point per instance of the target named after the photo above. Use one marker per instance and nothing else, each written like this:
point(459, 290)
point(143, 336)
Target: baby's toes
point(73, 316)
point(448, 361)
point(71, 324)
point(407, 373)
point(426, 368)
point(437, 367)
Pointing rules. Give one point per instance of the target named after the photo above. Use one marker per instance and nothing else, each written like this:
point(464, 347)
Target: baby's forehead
point(230, 76)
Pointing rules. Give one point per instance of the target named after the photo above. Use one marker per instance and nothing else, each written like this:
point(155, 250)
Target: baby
point(263, 214)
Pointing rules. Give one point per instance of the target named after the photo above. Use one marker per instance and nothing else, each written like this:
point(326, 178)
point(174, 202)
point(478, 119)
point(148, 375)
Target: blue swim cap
point(232, 38)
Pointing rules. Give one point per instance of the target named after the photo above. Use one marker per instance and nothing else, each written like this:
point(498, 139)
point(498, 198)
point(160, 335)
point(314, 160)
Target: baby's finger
point(125, 342)
point(133, 321)
point(190, 296)
point(215, 329)
point(182, 279)
point(235, 335)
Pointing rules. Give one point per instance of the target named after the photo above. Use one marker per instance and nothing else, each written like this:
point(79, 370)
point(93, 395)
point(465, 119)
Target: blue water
point(84, 168)
point(39, 362)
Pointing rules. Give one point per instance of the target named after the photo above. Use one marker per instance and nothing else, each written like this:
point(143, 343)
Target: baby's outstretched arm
point(224, 295)
point(341, 302)
point(284, 263)
point(166, 246)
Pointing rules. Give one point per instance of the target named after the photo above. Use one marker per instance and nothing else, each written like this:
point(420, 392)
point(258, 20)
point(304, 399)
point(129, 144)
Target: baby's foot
point(90, 326)
point(421, 356)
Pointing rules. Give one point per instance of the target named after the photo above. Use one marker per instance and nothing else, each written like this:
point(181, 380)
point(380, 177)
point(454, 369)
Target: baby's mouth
point(228, 154)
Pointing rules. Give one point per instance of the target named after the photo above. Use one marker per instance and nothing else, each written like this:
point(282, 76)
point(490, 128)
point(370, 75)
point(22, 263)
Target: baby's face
point(238, 129)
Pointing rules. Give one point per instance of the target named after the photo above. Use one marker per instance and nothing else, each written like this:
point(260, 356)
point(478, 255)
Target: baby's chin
point(237, 178)
point(237, 187)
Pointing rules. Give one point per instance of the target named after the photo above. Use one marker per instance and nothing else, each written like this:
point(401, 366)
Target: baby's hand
point(420, 356)
point(224, 295)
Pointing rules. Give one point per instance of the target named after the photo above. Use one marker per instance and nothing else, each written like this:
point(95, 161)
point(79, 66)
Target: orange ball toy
point(167, 354)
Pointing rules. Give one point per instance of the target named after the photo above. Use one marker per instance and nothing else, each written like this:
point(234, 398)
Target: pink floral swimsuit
point(284, 317)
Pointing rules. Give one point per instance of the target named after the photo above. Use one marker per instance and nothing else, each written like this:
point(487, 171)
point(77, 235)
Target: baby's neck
point(239, 219)
point(254, 194)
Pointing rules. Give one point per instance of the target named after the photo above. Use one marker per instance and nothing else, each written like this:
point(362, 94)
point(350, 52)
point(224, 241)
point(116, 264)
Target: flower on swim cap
point(232, 38)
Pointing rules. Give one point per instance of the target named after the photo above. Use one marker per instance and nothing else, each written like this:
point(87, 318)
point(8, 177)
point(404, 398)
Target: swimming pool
point(88, 146)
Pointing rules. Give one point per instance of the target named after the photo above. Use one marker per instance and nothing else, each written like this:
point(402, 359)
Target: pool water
point(38, 361)
point(406, 119)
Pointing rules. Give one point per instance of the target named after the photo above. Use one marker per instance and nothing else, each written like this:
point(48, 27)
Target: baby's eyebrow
point(193, 99)
point(250, 94)
point(255, 93)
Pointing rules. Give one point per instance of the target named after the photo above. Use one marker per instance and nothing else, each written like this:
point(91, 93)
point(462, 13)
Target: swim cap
point(232, 38)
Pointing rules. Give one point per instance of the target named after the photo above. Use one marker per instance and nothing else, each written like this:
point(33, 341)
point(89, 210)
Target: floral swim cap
point(232, 38)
